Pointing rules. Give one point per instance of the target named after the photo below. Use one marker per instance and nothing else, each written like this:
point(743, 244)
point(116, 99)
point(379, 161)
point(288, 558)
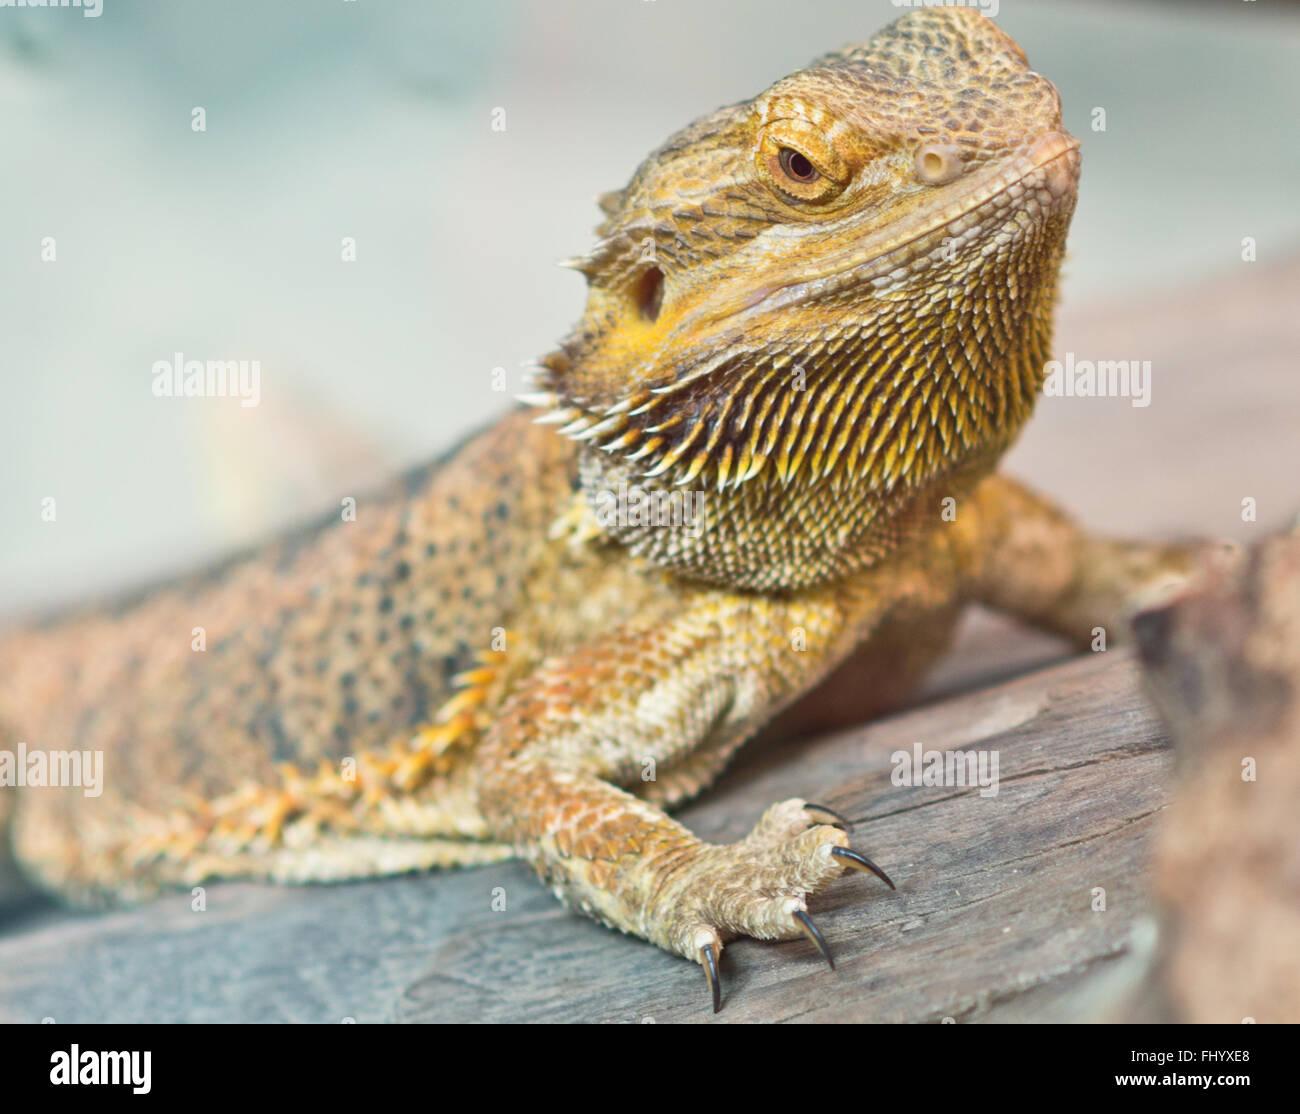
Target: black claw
point(810, 930)
point(836, 820)
point(710, 966)
point(861, 862)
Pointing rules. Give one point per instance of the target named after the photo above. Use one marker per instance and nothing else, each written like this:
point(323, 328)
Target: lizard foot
point(759, 886)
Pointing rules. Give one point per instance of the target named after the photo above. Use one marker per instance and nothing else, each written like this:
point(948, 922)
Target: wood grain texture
point(992, 920)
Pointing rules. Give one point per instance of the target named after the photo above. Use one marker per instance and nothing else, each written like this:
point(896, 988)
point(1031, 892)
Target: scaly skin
point(825, 312)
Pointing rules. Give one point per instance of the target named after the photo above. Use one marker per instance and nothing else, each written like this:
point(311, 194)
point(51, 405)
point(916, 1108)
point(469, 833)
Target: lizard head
point(819, 305)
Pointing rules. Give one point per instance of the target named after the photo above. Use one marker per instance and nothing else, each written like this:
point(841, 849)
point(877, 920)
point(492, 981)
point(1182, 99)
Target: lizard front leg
point(560, 769)
point(1017, 552)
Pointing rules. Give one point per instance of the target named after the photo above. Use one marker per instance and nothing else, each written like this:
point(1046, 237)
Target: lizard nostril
point(937, 163)
point(650, 293)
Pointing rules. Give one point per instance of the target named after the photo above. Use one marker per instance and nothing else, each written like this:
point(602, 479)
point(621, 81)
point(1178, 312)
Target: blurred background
point(351, 118)
point(374, 121)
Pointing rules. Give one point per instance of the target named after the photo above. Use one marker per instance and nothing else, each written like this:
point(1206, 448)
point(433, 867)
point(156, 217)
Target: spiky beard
point(877, 396)
point(817, 434)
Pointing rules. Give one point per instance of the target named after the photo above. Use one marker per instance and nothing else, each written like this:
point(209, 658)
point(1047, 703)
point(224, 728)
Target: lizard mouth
point(1043, 177)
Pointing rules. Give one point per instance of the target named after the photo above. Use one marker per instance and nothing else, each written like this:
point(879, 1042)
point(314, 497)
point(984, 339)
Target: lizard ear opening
point(650, 293)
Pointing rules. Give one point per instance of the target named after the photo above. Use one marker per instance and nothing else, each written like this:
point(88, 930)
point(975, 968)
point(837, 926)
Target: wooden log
point(1223, 665)
point(994, 917)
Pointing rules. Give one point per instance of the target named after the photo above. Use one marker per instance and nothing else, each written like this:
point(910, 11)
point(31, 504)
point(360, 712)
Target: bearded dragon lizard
point(815, 321)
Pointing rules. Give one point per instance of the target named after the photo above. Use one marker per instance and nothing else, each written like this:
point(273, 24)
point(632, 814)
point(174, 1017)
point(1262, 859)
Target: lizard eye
point(937, 163)
point(799, 163)
point(797, 166)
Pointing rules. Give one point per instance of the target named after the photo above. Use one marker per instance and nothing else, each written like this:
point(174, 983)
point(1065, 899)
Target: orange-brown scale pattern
point(826, 313)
